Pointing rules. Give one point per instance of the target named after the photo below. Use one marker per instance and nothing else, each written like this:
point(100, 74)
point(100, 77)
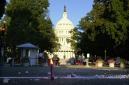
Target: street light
point(105, 53)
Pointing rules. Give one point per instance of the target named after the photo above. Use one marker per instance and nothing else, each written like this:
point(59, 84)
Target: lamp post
point(2, 43)
point(105, 54)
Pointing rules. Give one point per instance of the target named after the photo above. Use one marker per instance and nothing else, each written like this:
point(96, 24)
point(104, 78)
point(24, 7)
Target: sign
point(88, 55)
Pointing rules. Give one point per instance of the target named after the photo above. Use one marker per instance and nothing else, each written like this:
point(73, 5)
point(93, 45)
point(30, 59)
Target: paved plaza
point(64, 75)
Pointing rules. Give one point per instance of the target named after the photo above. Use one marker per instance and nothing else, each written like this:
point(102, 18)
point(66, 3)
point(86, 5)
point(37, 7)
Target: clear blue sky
point(76, 9)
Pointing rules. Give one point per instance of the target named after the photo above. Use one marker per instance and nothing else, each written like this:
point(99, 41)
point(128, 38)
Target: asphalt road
point(39, 71)
point(66, 82)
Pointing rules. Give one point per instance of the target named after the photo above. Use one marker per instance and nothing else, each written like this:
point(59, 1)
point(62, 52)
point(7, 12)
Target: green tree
point(74, 38)
point(29, 22)
point(106, 27)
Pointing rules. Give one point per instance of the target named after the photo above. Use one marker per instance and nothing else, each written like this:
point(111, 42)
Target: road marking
point(74, 77)
point(25, 77)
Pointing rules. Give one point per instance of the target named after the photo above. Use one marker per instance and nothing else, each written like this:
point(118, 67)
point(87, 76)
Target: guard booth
point(28, 53)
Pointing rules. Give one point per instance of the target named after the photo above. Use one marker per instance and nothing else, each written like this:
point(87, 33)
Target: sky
point(76, 9)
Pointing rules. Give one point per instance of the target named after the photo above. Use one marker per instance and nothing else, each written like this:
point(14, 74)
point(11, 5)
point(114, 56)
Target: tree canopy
point(106, 27)
point(29, 22)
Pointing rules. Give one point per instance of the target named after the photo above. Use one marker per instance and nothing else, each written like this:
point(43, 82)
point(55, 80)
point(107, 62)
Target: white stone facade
point(62, 31)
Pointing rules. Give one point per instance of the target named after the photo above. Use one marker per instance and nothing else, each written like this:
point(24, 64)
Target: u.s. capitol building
point(62, 31)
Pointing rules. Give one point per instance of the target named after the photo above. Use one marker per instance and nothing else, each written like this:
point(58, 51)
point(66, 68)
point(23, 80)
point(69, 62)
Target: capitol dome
point(64, 22)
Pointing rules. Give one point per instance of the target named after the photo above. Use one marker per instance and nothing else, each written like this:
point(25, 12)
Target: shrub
point(99, 62)
point(111, 63)
point(122, 63)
